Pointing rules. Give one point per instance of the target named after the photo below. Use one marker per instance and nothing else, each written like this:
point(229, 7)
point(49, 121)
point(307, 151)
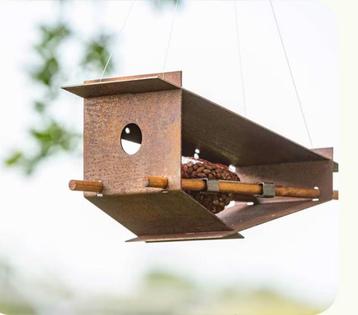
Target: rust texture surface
point(158, 115)
point(304, 174)
point(241, 217)
point(131, 84)
point(174, 77)
point(159, 213)
point(223, 136)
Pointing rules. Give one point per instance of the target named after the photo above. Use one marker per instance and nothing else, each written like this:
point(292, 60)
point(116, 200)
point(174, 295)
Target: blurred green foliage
point(158, 293)
point(49, 135)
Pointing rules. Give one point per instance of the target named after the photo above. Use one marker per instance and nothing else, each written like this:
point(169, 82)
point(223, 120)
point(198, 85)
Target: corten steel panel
point(223, 136)
point(303, 174)
point(159, 213)
point(327, 153)
point(174, 77)
point(241, 216)
point(158, 115)
point(197, 236)
point(140, 85)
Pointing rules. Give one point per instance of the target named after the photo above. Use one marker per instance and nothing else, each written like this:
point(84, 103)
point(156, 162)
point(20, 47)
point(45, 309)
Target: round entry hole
point(131, 139)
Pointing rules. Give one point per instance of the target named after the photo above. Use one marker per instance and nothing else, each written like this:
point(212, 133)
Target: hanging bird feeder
point(158, 195)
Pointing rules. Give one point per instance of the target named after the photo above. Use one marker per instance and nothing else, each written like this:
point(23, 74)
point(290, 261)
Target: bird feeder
point(145, 191)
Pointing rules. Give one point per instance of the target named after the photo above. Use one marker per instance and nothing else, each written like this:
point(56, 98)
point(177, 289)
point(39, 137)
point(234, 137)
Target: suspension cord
point(170, 37)
point(239, 53)
point(120, 31)
point(299, 101)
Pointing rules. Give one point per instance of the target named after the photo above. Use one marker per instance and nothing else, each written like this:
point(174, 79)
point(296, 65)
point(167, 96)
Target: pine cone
point(200, 168)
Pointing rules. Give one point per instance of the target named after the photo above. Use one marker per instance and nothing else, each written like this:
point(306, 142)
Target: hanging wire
point(239, 52)
point(299, 101)
point(170, 36)
point(119, 32)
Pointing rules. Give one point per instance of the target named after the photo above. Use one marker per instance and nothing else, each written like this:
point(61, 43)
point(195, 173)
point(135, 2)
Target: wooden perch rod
point(247, 189)
point(251, 189)
point(86, 185)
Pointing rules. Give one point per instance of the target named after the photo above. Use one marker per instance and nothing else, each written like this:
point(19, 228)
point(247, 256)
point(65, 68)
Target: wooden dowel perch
point(86, 185)
point(246, 189)
point(335, 195)
point(157, 182)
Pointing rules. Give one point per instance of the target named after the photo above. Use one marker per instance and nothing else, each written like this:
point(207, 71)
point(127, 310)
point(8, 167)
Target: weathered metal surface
point(308, 174)
point(302, 174)
point(159, 213)
point(241, 216)
point(121, 85)
point(327, 153)
point(223, 136)
point(158, 115)
point(174, 77)
point(197, 236)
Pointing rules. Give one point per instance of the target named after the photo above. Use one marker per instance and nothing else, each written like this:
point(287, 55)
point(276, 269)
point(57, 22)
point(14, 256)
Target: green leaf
point(96, 53)
point(14, 158)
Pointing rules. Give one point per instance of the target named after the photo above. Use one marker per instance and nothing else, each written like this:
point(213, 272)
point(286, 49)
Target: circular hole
point(232, 168)
point(197, 151)
point(131, 139)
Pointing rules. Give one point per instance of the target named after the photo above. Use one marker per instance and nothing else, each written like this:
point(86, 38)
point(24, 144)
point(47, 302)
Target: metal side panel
point(303, 174)
point(226, 137)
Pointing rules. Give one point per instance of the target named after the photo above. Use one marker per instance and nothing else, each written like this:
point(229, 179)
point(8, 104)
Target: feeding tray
point(145, 192)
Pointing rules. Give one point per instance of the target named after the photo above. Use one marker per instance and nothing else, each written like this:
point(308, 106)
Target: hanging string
point(119, 32)
point(239, 52)
point(299, 101)
point(170, 37)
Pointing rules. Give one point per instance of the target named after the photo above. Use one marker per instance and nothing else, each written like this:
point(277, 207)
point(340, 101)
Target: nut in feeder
point(145, 190)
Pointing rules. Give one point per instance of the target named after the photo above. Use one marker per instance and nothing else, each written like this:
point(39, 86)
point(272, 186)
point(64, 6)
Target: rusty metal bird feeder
point(145, 191)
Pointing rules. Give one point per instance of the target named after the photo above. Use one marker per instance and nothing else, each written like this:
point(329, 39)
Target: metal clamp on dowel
point(212, 185)
point(268, 190)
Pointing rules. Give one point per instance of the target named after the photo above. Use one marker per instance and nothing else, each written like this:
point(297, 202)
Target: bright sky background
point(46, 229)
